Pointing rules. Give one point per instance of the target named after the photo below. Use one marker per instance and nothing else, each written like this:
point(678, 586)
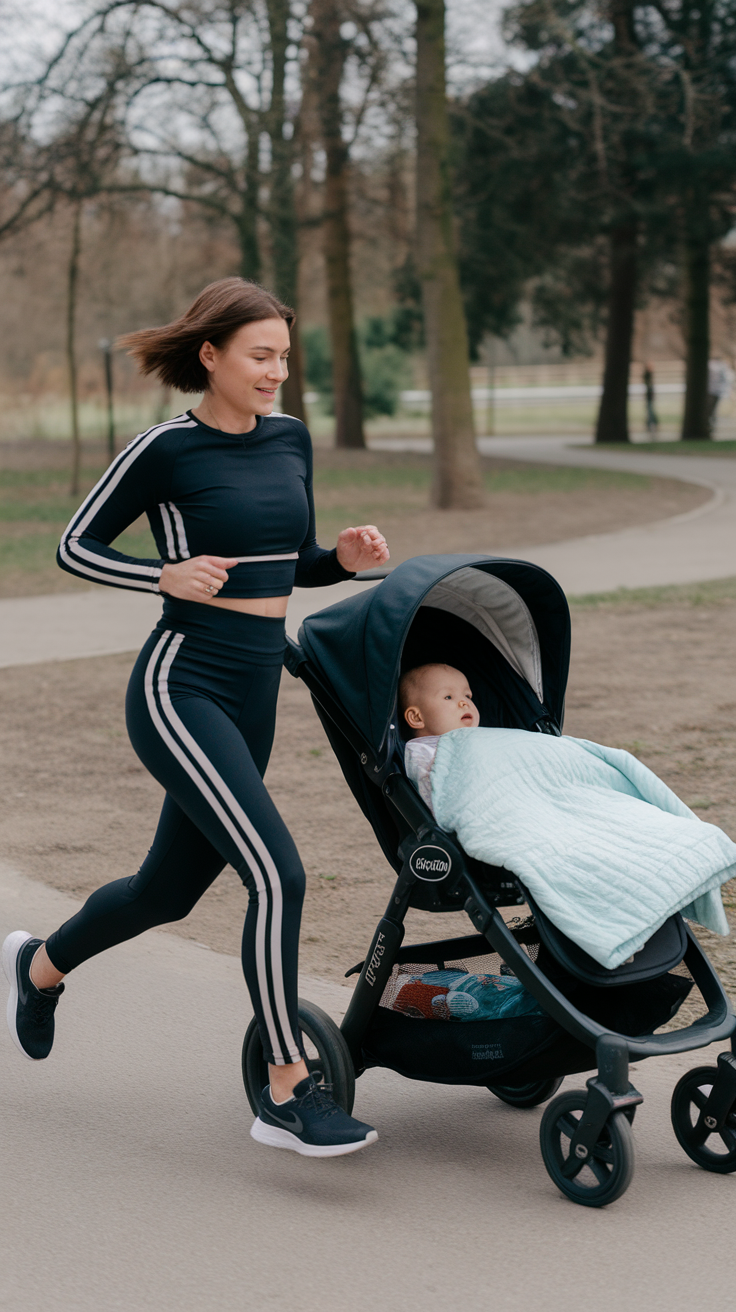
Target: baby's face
point(442, 701)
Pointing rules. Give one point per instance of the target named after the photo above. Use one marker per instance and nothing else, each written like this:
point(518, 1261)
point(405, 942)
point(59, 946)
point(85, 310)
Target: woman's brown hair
point(219, 311)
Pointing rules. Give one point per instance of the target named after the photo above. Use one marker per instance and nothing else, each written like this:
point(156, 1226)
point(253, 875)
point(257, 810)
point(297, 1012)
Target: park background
point(489, 219)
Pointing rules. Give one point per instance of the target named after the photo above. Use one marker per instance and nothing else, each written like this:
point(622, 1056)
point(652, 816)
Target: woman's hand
point(361, 548)
point(198, 579)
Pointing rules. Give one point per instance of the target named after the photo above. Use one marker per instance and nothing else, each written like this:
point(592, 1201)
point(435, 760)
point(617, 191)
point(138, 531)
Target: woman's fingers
point(198, 579)
point(360, 547)
point(215, 566)
point(373, 541)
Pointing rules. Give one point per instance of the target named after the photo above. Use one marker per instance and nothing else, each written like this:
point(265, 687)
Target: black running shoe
point(310, 1123)
point(30, 1010)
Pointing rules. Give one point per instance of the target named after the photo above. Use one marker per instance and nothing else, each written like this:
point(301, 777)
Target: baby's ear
point(413, 717)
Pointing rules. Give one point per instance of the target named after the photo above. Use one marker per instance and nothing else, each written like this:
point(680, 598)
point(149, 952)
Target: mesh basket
point(487, 963)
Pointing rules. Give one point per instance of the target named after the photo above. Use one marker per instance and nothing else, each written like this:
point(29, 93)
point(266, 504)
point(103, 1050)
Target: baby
point(433, 699)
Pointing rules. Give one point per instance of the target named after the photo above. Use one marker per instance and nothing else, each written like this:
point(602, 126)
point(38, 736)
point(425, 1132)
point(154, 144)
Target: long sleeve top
point(206, 492)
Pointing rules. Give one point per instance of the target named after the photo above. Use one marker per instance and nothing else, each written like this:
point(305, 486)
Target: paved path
point(129, 1180)
point(700, 544)
point(687, 548)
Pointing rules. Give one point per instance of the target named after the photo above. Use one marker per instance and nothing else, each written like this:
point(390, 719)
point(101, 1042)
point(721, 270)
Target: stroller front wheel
point(607, 1172)
point(326, 1051)
point(713, 1150)
point(526, 1095)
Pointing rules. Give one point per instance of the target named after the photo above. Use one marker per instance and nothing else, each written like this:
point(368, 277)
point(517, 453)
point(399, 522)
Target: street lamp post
point(105, 346)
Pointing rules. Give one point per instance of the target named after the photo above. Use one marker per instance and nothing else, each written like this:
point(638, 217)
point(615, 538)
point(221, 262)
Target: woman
point(227, 488)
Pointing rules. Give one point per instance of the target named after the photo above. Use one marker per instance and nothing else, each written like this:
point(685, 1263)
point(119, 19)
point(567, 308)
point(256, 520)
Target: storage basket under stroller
point(506, 624)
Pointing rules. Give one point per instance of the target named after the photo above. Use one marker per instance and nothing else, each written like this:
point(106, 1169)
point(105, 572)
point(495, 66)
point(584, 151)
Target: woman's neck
point(218, 413)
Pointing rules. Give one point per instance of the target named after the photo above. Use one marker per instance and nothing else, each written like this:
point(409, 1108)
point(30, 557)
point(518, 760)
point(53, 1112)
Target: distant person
point(652, 420)
point(227, 488)
point(720, 379)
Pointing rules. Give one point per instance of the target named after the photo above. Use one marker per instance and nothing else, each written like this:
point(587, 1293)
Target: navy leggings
point(201, 708)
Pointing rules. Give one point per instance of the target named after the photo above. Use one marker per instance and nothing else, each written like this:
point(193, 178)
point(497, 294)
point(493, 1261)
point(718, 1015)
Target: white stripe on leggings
point(204, 786)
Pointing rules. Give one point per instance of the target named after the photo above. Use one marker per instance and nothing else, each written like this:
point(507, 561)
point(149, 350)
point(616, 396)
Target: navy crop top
point(211, 493)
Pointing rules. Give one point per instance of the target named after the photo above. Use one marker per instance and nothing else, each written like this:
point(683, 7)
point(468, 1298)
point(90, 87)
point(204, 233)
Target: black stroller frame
point(436, 875)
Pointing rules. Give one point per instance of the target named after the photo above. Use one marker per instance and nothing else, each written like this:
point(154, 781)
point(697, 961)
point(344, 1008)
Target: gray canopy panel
point(499, 613)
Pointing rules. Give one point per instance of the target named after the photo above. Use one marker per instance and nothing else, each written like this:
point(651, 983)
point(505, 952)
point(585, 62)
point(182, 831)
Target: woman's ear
point(207, 356)
point(413, 717)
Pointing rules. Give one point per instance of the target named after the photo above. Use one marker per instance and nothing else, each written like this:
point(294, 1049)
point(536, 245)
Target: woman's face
point(248, 369)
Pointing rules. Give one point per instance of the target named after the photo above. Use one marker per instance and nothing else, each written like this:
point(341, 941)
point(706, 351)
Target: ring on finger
point(209, 588)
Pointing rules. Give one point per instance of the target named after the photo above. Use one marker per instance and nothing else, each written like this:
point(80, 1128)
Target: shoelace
point(321, 1100)
point(42, 1007)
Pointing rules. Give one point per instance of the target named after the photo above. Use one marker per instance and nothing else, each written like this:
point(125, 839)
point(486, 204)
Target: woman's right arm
point(136, 480)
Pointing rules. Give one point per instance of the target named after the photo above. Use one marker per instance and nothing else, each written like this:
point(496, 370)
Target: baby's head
point(434, 699)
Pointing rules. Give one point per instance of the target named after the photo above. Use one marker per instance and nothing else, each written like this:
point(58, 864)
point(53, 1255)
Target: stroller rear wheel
point(526, 1095)
point(326, 1051)
point(713, 1150)
point(606, 1174)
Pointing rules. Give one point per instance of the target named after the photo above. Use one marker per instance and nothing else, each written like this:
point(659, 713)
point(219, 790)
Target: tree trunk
point(330, 51)
point(457, 482)
point(247, 222)
point(71, 345)
point(282, 211)
point(695, 419)
point(613, 414)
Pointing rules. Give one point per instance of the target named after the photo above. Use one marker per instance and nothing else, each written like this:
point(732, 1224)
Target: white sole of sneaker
point(11, 947)
point(273, 1137)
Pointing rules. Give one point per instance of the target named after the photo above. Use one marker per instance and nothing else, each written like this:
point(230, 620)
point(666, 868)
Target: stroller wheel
point(607, 1173)
point(526, 1095)
point(714, 1151)
point(326, 1051)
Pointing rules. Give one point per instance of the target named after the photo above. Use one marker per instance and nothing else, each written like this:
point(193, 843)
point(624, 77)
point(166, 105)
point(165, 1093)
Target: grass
point(35, 507)
point(390, 474)
point(714, 592)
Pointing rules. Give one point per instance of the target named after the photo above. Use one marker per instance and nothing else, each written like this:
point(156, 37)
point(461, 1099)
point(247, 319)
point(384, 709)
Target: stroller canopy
point(504, 623)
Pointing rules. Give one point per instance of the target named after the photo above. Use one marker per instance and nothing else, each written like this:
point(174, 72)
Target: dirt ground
point(80, 810)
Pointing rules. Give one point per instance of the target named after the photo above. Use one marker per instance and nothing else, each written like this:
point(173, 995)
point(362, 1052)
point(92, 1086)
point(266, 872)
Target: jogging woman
point(227, 489)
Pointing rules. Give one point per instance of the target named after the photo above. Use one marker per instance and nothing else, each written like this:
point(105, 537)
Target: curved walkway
point(688, 548)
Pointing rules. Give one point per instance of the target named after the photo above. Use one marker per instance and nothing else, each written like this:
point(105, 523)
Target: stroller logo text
point(375, 961)
point(430, 864)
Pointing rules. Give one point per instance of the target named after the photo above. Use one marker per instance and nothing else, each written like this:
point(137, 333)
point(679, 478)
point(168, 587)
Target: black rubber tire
point(526, 1095)
point(332, 1057)
point(607, 1173)
point(688, 1100)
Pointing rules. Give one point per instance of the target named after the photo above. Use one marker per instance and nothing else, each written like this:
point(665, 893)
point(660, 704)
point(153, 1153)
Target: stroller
point(506, 625)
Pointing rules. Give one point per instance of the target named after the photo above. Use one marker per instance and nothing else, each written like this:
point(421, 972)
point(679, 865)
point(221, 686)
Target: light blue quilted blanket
point(603, 846)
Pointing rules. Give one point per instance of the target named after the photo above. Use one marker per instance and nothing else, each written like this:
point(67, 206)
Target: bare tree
point(282, 217)
point(328, 55)
point(71, 344)
point(457, 482)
